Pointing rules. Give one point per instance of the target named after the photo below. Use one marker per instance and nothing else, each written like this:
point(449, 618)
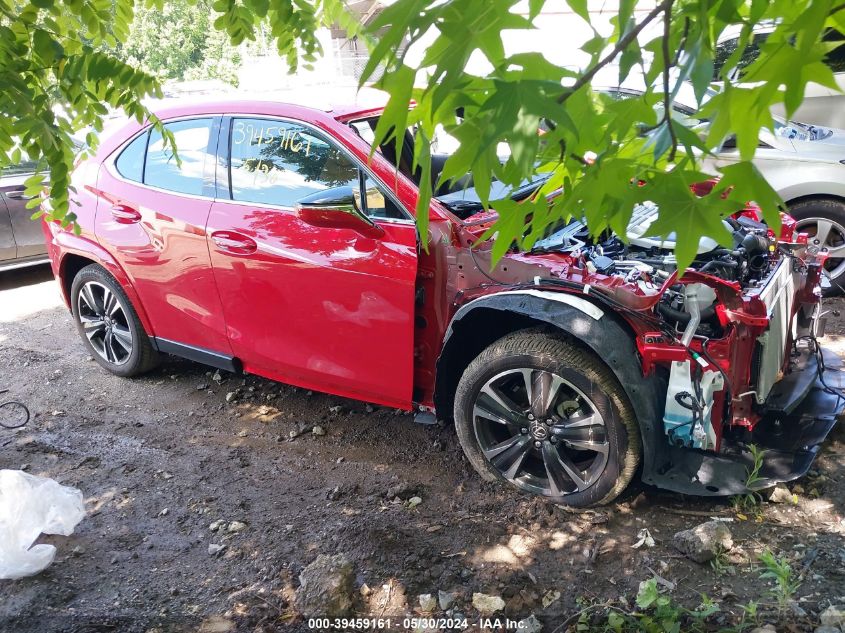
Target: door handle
point(18, 194)
point(125, 215)
point(234, 243)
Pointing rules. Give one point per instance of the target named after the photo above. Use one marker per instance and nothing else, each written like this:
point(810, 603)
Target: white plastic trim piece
point(560, 297)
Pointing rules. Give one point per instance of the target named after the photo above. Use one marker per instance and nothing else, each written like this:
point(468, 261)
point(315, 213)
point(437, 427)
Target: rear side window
point(130, 163)
point(835, 59)
point(161, 168)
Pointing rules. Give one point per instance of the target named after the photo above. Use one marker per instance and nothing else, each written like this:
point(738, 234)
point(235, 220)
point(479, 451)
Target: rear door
point(324, 308)
point(152, 218)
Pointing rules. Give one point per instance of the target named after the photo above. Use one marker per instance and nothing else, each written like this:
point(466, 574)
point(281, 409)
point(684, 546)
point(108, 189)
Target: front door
point(325, 308)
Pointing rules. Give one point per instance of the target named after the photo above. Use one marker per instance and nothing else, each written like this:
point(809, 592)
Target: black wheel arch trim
point(607, 336)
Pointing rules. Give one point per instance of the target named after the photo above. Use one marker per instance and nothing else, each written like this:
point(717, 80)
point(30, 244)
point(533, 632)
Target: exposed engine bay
point(704, 314)
point(688, 309)
point(747, 261)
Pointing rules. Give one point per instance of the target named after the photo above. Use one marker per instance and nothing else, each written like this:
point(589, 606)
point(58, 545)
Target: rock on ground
point(326, 587)
point(781, 494)
point(445, 599)
point(833, 616)
point(216, 624)
point(428, 603)
point(216, 548)
point(530, 625)
point(487, 604)
point(704, 542)
point(389, 600)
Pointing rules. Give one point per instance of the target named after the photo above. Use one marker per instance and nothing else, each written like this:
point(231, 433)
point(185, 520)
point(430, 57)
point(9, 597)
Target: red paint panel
point(318, 307)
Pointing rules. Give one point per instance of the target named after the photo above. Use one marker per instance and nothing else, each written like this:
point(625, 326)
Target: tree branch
point(667, 66)
point(621, 45)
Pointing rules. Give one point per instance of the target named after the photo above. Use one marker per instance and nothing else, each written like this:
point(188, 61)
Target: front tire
point(824, 220)
point(542, 414)
point(109, 325)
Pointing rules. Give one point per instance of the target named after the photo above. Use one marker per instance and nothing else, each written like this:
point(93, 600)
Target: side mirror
point(336, 208)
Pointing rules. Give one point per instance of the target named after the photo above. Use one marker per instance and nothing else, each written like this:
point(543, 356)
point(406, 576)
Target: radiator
point(778, 296)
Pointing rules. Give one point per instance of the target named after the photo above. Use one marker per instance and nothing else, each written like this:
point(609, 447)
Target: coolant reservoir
point(678, 421)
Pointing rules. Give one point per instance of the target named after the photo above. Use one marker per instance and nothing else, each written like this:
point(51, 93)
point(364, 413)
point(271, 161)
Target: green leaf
point(534, 8)
point(508, 227)
point(580, 8)
point(46, 48)
point(742, 182)
point(422, 159)
point(647, 594)
point(685, 215)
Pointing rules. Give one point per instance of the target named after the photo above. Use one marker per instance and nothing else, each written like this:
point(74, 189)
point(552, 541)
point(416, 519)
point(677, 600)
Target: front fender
point(65, 245)
point(603, 332)
point(820, 189)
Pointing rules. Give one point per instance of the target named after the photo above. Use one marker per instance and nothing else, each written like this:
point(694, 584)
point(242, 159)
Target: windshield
point(458, 195)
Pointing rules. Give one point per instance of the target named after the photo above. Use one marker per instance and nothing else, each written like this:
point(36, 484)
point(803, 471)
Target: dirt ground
point(290, 474)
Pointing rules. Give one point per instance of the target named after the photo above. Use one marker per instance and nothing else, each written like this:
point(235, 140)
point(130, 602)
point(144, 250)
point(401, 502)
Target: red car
point(275, 247)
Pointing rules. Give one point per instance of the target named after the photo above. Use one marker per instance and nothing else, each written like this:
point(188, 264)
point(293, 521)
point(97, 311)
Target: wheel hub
point(539, 431)
point(523, 434)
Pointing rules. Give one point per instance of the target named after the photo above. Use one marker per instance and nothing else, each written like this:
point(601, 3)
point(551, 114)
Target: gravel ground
point(284, 475)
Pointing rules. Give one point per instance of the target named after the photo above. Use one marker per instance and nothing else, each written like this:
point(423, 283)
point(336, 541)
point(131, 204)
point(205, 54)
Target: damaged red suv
point(275, 247)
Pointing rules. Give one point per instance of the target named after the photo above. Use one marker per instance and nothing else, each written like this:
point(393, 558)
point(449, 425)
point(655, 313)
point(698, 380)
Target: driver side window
point(280, 162)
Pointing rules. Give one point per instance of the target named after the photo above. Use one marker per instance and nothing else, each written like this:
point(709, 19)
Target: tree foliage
point(59, 76)
point(178, 42)
point(641, 152)
point(606, 155)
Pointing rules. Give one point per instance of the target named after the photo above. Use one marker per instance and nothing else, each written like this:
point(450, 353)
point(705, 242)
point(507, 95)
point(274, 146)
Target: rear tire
point(824, 218)
point(109, 325)
point(548, 417)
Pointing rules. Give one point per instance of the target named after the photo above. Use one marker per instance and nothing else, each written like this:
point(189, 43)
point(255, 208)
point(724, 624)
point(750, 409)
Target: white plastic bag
point(30, 505)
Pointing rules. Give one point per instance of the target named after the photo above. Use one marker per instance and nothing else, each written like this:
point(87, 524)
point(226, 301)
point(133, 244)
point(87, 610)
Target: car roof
point(317, 105)
point(343, 103)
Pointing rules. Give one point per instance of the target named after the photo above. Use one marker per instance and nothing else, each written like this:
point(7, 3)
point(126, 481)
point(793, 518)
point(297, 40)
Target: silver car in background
point(21, 240)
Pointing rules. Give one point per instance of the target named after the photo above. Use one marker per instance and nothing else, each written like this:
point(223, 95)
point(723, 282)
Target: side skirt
point(197, 354)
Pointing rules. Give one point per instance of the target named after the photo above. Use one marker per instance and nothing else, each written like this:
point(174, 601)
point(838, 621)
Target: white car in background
point(821, 105)
point(804, 163)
